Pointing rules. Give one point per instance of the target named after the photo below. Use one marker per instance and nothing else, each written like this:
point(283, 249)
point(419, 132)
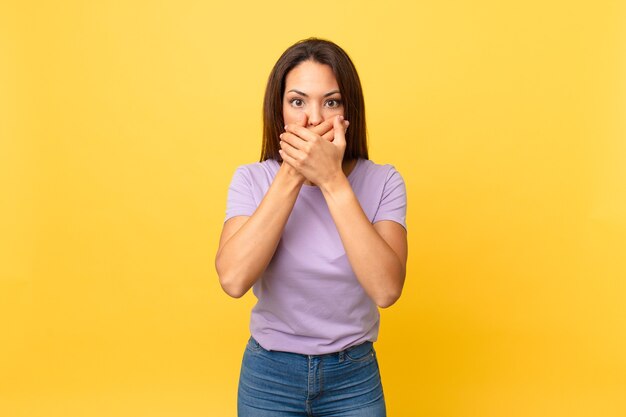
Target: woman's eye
point(333, 103)
point(296, 102)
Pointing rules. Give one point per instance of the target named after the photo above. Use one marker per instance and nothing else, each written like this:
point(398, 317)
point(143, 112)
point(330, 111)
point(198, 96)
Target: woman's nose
point(314, 116)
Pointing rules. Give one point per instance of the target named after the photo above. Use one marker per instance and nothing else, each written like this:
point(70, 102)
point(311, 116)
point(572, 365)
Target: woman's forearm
point(377, 267)
point(245, 254)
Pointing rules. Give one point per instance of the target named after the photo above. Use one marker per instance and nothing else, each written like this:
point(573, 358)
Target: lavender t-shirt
point(309, 299)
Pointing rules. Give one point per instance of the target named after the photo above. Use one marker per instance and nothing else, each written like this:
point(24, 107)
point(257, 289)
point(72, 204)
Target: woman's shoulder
point(258, 172)
point(269, 165)
point(371, 169)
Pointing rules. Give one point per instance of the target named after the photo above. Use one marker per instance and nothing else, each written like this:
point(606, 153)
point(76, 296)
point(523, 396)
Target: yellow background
point(121, 123)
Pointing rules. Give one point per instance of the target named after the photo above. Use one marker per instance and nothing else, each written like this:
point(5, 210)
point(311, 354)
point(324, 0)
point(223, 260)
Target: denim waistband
point(350, 350)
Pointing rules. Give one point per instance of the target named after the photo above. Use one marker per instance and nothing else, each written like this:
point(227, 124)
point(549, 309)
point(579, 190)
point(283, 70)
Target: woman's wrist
point(335, 184)
point(290, 174)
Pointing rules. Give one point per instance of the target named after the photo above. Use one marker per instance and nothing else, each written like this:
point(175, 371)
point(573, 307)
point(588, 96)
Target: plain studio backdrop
point(122, 122)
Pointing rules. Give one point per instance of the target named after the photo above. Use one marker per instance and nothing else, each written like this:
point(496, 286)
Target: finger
point(330, 135)
point(293, 140)
point(302, 132)
point(340, 133)
point(288, 159)
point(292, 153)
point(291, 150)
point(323, 128)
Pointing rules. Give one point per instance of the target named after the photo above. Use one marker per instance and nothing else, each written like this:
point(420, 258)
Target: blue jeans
point(280, 384)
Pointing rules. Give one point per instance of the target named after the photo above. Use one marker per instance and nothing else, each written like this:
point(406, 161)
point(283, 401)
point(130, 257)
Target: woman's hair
point(323, 52)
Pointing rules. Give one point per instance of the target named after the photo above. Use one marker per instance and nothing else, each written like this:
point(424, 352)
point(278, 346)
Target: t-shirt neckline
point(315, 187)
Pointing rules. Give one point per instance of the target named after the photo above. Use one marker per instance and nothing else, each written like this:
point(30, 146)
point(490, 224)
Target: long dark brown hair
point(323, 52)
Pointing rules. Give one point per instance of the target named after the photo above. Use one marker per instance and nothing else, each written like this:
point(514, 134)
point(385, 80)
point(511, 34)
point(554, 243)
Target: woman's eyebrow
point(330, 93)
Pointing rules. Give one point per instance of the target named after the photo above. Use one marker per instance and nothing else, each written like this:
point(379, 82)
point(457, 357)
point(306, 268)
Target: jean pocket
point(361, 353)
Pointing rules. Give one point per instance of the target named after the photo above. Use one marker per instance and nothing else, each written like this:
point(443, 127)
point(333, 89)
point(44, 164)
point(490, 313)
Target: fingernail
point(281, 135)
point(340, 117)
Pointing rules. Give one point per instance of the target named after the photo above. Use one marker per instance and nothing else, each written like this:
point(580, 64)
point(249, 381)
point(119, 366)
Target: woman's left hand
point(316, 158)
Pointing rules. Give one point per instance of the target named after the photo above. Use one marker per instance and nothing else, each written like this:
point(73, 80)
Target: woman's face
point(311, 88)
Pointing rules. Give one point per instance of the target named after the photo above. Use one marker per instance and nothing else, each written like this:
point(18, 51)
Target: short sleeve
point(393, 201)
point(240, 200)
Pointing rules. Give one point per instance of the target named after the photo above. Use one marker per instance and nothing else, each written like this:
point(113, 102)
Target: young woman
point(318, 231)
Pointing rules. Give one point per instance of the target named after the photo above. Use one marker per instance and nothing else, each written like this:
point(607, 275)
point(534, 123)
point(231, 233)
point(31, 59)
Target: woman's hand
point(317, 157)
